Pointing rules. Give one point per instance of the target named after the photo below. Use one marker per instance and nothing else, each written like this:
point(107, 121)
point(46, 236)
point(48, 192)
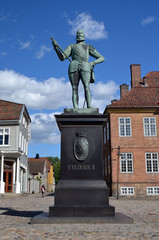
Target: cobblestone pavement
point(16, 211)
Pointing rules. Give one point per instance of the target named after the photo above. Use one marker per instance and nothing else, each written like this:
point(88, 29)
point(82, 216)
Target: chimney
point(37, 156)
point(114, 100)
point(145, 81)
point(124, 89)
point(135, 74)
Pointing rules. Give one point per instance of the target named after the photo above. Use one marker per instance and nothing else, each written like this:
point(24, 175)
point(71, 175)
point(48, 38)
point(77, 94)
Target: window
point(126, 163)
point(104, 135)
point(4, 136)
point(127, 190)
point(125, 127)
point(20, 139)
point(106, 167)
point(149, 126)
point(152, 190)
point(107, 131)
point(151, 162)
point(109, 164)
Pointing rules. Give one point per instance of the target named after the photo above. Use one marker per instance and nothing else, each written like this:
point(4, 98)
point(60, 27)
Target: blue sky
point(125, 32)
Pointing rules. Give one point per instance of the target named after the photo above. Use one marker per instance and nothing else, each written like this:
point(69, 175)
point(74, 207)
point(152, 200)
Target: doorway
point(8, 176)
point(8, 179)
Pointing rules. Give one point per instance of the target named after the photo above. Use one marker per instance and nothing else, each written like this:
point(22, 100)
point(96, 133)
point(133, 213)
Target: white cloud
point(6, 16)
point(52, 93)
point(103, 93)
point(25, 45)
point(93, 29)
point(148, 20)
point(44, 128)
point(3, 54)
point(43, 50)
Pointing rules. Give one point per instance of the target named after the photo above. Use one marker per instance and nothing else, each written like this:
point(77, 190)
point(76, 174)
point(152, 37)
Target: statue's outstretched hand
point(55, 44)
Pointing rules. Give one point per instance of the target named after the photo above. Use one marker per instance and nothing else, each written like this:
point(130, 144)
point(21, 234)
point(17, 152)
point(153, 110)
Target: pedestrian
point(43, 190)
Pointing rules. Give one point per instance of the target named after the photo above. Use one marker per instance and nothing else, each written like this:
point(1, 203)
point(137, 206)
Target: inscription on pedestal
point(81, 167)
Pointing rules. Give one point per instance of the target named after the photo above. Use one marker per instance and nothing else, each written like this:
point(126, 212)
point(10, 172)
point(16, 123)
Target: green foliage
point(56, 167)
point(37, 178)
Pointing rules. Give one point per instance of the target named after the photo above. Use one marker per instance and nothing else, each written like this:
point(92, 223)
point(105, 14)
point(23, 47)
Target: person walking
point(43, 190)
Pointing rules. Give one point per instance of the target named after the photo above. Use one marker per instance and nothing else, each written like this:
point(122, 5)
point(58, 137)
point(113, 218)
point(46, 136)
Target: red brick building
point(131, 137)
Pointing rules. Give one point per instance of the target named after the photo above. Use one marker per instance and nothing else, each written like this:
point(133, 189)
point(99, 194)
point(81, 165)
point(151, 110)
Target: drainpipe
point(118, 172)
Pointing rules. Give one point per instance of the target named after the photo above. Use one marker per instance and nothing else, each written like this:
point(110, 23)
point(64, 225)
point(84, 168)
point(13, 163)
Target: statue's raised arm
point(79, 68)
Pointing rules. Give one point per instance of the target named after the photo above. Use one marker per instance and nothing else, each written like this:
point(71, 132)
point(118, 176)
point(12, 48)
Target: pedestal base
point(82, 198)
point(44, 218)
point(107, 211)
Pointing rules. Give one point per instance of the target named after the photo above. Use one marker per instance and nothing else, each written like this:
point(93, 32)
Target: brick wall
point(138, 145)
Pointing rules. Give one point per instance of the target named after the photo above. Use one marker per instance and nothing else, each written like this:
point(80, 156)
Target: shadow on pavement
point(12, 212)
point(50, 195)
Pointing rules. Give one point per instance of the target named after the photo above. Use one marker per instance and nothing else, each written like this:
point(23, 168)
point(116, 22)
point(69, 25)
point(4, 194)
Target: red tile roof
point(35, 164)
point(141, 95)
point(36, 167)
point(10, 110)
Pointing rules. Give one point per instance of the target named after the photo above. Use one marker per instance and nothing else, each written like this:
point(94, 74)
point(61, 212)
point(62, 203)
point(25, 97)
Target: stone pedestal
point(81, 191)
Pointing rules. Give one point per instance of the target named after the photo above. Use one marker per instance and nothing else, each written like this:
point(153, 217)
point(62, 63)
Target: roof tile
point(141, 95)
point(10, 110)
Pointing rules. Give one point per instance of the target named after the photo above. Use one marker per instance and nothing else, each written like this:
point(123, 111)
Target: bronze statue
point(79, 68)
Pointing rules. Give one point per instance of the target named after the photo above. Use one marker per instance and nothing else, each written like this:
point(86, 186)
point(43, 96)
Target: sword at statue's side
point(62, 50)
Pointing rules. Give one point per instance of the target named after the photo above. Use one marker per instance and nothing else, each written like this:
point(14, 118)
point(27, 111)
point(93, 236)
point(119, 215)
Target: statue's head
point(80, 36)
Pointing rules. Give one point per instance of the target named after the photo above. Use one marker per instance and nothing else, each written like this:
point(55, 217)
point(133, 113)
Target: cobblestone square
point(16, 212)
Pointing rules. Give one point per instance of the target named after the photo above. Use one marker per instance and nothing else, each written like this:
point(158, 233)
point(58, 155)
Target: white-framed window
point(4, 136)
point(26, 149)
point(127, 190)
point(22, 142)
point(125, 127)
point(151, 162)
point(126, 163)
point(150, 126)
point(153, 190)
point(20, 139)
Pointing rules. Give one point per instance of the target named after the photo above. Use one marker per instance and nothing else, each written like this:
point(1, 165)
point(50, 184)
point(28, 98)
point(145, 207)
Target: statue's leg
point(85, 77)
point(74, 79)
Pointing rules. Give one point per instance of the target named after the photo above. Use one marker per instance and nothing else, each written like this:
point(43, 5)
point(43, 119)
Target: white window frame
point(26, 149)
point(20, 139)
point(5, 128)
point(127, 191)
point(124, 124)
point(126, 160)
point(148, 133)
point(152, 162)
point(153, 190)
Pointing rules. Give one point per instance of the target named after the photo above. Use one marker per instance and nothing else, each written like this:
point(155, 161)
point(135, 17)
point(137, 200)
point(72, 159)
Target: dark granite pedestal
point(81, 191)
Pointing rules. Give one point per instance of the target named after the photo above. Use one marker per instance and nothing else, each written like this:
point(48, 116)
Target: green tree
point(56, 167)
